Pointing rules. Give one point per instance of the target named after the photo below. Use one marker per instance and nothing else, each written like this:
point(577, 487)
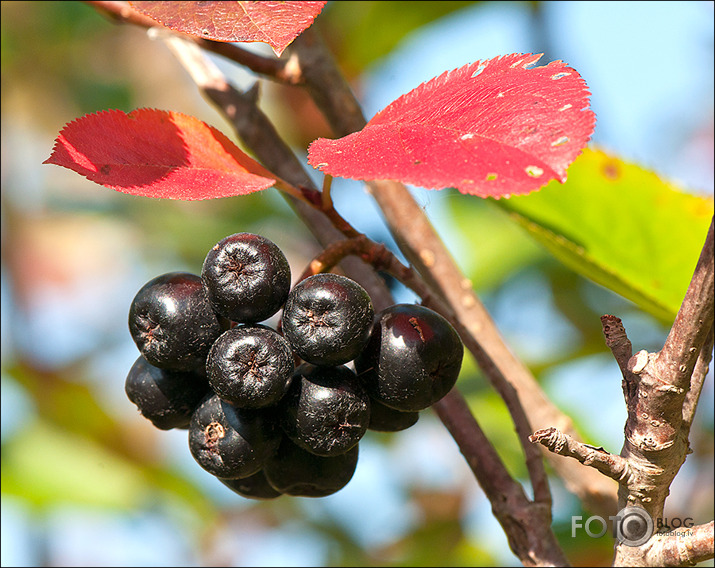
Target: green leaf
point(489, 247)
point(621, 226)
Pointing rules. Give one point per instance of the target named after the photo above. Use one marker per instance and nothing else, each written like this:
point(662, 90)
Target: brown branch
point(661, 391)
point(687, 548)
point(608, 464)
point(382, 259)
point(622, 349)
point(326, 84)
point(241, 110)
point(526, 524)
point(424, 249)
point(676, 360)
point(280, 70)
point(682, 547)
point(122, 12)
point(660, 410)
point(617, 340)
point(696, 382)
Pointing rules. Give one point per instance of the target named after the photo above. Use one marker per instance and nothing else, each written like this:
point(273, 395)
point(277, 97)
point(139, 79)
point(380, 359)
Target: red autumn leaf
point(490, 128)
point(275, 23)
point(156, 153)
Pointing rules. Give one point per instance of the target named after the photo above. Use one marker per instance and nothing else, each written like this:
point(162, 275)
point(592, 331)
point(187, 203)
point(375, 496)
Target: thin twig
point(696, 383)
point(382, 259)
point(617, 340)
point(241, 110)
point(609, 464)
point(522, 521)
point(285, 71)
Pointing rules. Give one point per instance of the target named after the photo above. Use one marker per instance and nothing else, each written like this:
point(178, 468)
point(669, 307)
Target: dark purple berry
point(413, 358)
point(386, 419)
point(250, 366)
point(254, 486)
point(167, 398)
point(247, 277)
point(172, 322)
point(326, 410)
point(327, 319)
point(293, 471)
point(229, 442)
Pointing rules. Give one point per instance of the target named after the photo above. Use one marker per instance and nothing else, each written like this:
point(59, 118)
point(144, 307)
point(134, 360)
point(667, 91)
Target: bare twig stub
point(610, 465)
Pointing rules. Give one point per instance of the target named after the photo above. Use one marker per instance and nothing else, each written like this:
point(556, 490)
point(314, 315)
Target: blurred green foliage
point(360, 33)
point(51, 45)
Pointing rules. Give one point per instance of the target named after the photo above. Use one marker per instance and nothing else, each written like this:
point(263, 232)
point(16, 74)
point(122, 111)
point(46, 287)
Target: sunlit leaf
point(155, 153)
point(490, 128)
point(275, 23)
point(621, 226)
point(489, 247)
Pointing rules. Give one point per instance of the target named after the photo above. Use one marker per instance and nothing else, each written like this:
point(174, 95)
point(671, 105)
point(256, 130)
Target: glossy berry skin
point(166, 398)
point(293, 471)
point(327, 319)
point(229, 442)
point(247, 277)
point(386, 419)
point(254, 486)
point(250, 366)
point(172, 322)
point(413, 358)
point(326, 410)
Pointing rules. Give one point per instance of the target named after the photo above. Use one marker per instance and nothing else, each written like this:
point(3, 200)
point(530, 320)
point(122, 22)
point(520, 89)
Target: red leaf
point(156, 153)
point(275, 23)
point(490, 128)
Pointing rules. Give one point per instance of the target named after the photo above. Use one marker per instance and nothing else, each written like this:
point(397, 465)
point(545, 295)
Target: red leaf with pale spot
point(491, 128)
point(156, 153)
point(275, 23)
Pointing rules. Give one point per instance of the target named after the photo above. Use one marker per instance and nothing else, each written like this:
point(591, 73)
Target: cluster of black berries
point(268, 412)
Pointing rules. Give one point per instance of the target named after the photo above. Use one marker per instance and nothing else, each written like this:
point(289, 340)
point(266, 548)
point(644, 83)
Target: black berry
point(386, 419)
point(413, 358)
point(326, 410)
point(254, 486)
point(327, 319)
point(167, 398)
point(250, 366)
point(172, 322)
point(293, 471)
point(247, 277)
point(230, 442)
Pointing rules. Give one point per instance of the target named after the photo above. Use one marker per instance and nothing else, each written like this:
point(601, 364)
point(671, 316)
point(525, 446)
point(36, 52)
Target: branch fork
point(661, 392)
